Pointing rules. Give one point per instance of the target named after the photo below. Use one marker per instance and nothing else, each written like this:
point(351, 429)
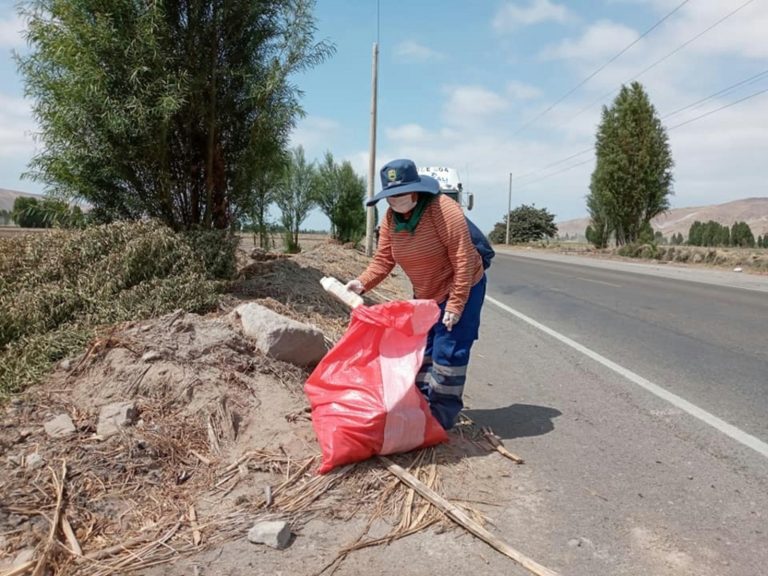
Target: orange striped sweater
point(438, 257)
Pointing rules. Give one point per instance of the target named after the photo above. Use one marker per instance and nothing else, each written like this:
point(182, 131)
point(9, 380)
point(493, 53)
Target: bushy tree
point(712, 233)
point(646, 234)
point(339, 194)
point(165, 109)
point(295, 196)
point(29, 212)
point(598, 231)
point(741, 235)
point(632, 179)
point(526, 224)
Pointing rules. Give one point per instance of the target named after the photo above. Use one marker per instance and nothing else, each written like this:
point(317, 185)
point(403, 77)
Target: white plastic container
point(340, 292)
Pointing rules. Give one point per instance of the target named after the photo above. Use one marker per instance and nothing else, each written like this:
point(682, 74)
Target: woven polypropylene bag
point(363, 394)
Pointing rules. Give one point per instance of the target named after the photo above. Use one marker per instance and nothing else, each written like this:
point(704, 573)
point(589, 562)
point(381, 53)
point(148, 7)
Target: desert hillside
point(753, 211)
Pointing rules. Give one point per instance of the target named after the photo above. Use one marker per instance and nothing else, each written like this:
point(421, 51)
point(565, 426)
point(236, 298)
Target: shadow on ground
point(516, 420)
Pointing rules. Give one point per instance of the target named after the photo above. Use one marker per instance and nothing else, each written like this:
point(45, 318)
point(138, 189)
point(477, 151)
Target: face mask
point(402, 205)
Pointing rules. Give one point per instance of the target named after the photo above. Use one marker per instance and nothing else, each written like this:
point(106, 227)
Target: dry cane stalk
point(58, 484)
point(461, 518)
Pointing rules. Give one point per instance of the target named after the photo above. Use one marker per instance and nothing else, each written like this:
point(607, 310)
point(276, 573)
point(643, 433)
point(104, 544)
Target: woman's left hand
point(450, 319)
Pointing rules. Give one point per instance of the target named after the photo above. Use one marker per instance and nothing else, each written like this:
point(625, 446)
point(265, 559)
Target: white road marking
point(721, 425)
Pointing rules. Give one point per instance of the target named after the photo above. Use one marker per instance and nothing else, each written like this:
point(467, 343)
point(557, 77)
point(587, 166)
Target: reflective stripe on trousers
point(444, 371)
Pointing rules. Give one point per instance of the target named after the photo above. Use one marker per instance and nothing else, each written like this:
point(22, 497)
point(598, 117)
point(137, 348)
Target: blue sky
point(464, 84)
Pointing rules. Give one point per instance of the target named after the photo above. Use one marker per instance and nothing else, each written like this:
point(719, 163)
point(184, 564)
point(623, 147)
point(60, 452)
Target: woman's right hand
point(355, 286)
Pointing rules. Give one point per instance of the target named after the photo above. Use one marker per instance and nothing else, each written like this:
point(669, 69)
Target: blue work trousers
point(444, 371)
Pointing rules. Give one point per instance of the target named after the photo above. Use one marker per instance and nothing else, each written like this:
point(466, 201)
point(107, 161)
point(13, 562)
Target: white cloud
point(513, 15)
point(416, 51)
point(407, 133)
point(600, 41)
point(11, 30)
point(469, 104)
point(522, 91)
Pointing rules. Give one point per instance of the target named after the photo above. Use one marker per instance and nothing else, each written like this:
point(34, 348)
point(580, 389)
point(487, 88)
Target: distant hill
point(8, 197)
point(753, 211)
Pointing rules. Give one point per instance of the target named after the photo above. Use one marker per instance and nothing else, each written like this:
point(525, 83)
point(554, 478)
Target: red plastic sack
point(363, 393)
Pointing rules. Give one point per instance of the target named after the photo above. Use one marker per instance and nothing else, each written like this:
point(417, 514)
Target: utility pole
point(371, 215)
point(509, 205)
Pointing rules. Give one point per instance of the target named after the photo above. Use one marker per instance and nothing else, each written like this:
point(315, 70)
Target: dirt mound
point(222, 439)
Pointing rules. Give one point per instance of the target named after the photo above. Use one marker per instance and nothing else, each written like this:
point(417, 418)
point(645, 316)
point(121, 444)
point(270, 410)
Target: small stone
point(276, 534)
point(738, 269)
point(34, 461)
point(59, 426)
point(66, 364)
point(16, 459)
point(115, 416)
point(151, 356)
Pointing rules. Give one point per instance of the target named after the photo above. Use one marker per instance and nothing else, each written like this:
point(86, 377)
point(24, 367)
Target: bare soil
point(224, 439)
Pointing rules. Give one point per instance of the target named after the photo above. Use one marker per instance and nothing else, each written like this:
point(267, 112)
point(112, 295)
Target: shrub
point(57, 288)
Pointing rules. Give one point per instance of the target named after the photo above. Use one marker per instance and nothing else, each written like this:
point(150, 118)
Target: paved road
point(639, 403)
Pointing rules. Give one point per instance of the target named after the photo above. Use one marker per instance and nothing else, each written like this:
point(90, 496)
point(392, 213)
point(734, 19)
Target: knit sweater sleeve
point(462, 254)
point(383, 261)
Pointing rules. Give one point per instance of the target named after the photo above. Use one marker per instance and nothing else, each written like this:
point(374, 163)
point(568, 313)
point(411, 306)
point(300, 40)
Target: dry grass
point(57, 287)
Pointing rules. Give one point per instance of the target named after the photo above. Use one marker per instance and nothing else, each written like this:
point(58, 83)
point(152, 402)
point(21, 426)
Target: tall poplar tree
point(632, 180)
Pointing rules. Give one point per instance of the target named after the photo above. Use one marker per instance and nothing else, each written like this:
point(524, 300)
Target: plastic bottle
point(337, 289)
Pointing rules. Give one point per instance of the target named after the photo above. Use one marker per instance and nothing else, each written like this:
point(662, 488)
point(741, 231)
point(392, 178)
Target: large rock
point(281, 337)
point(115, 416)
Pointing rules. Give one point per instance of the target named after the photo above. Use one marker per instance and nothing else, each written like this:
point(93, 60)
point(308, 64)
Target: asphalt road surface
point(638, 397)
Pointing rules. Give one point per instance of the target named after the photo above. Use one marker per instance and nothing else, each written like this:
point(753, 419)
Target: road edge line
point(719, 424)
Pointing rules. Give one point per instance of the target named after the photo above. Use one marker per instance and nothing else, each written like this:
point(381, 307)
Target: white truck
point(450, 184)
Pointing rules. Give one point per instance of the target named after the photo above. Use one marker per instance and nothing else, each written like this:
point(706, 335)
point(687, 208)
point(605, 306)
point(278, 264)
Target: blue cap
point(401, 177)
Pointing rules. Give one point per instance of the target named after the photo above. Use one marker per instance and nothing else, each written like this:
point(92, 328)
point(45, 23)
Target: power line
point(739, 101)
point(601, 68)
point(571, 157)
point(716, 94)
point(685, 123)
point(547, 176)
point(659, 61)
point(695, 104)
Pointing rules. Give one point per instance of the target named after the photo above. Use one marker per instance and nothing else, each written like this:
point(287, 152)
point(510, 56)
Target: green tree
point(741, 235)
point(695, 233)
point(295, 196)
point(30, 212)
point(339, 195)
point(598, 231)
point(526, 224)
point(27, 213)
point(327, 189)
point(162, 109)
point(349, 218)
point(632, 180)
point(759, 241)
point(646, 234)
